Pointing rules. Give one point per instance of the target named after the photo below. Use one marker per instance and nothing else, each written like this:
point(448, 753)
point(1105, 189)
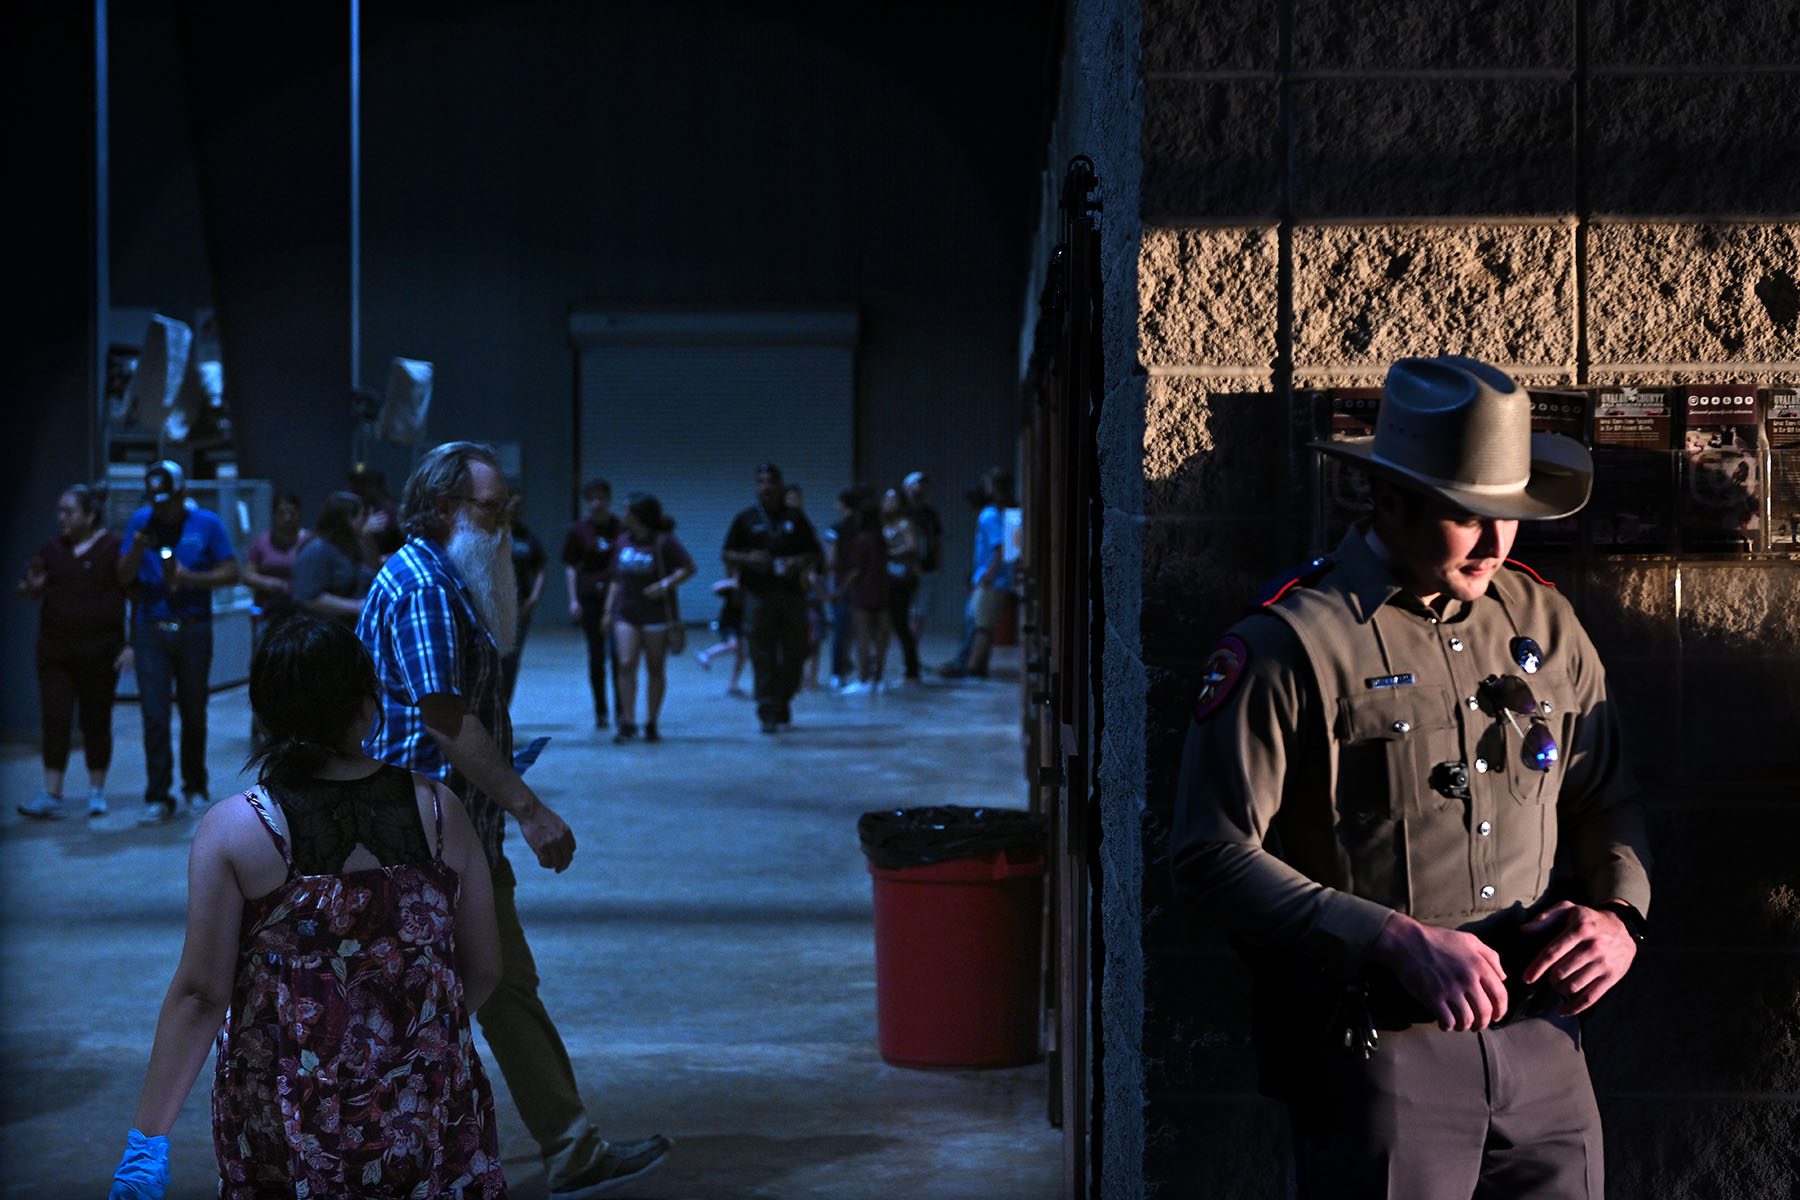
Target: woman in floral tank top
point(340, 930)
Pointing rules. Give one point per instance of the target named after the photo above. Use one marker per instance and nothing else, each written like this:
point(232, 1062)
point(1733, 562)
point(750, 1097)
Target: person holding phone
point(176, 555)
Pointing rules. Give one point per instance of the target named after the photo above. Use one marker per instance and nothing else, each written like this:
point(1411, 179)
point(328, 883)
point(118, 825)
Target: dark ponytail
point(309, 680)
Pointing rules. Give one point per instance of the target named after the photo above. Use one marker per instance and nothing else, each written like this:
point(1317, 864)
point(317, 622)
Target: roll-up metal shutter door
point(686, 404)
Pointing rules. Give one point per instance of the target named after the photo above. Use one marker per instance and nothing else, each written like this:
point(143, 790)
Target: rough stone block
point(1237, 35)
point(1214, 450)
point(1701, 1148)
point(1433, 147)
point(1741, 610)
point(1694, 144)
point(1234, 1146)
point(1702, 1021)
point(1369, 294)
point(1648, 693)
point(1628, 607)
point(1211, 149)
point(1207, 297)
point(1381, 35)
point(1692, 32)
point(1126, 684)
point(1737, 719)
point(1197, 1023)
point(1122, 579)
point(1198, 575)
point(1726, 875)
point(1120, 445)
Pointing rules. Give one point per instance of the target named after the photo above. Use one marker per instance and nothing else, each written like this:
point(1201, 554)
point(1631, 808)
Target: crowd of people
point(386, 639)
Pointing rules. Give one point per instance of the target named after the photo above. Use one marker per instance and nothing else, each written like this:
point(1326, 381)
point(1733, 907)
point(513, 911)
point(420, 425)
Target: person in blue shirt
point(990, 580)
point(176, 554)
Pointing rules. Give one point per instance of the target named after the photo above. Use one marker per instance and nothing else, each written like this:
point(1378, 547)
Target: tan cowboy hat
point(1460, 429)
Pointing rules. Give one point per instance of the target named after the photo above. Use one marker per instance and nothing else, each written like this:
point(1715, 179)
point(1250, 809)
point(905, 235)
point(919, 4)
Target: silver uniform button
point(1402, 727)
point(1487, 893)
point(1481, 765)
point(1545, 705)
point(1485, 828)
point(1456, 644)
point(1473, 703)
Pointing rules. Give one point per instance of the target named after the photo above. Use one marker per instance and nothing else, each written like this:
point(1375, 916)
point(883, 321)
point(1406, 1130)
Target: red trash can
point(957, 960)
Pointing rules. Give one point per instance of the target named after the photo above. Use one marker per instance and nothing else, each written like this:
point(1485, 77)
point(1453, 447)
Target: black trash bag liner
point(918, 837)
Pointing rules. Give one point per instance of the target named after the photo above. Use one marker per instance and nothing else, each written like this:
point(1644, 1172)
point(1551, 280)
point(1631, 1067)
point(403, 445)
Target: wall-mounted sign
point(1564, 412)
point(1721, 468)
point(1632, 507)
point(1784, 468)
point(1348, 415)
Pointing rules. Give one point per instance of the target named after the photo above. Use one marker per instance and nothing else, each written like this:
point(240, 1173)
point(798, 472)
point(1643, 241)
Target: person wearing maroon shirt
point(80, 646)
point(648, 564)
point(586, 553)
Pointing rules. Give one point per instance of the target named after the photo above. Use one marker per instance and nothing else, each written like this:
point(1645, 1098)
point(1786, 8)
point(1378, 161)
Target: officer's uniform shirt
point(784, 533)
point(1306, 812)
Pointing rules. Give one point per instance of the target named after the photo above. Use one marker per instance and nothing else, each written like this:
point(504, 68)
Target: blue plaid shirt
point(421, 628)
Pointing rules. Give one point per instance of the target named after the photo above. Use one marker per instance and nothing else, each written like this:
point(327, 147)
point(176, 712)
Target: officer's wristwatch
point(1635, 924)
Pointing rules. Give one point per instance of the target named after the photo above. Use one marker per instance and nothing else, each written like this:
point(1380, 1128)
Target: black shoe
point(785, 716)
point(602, 723)
point(625, 734)
point(770, 727)
point(650, 734)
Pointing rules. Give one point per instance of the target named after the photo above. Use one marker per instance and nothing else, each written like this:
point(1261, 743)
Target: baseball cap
point(163, 480)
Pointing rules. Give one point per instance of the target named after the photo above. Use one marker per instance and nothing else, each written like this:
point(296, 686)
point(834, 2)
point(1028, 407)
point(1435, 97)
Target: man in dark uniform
point(772, 547)
point(1404, 790)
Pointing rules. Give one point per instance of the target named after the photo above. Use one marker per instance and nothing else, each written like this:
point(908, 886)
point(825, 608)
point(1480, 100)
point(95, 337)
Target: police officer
point(1404, 792)
point(772, 547)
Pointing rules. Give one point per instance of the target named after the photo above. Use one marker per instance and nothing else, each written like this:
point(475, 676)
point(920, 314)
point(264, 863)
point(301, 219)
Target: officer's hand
point(1455, 975)
point(1591, 951)
point(549, 837)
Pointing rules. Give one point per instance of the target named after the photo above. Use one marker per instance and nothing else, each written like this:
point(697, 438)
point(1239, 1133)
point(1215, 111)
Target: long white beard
point(484, 560)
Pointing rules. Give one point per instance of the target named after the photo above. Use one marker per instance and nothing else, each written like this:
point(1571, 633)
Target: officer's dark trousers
point(1498, 1115)
point(775, 628)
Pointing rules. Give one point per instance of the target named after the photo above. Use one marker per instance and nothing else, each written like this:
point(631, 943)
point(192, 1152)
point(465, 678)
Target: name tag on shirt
point(1390, 681)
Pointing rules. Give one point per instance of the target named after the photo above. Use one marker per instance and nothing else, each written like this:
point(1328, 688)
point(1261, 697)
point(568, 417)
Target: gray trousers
point(1498, 1115)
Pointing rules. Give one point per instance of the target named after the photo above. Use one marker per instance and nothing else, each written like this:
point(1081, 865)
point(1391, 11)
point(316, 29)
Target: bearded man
point(437, 621)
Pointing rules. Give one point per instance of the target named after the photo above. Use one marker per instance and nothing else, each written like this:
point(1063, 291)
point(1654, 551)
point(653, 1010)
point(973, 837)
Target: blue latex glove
point(143, 1173)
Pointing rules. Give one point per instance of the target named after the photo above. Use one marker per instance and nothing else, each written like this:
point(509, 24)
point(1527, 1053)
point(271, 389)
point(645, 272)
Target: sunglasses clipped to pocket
point(1512, 697)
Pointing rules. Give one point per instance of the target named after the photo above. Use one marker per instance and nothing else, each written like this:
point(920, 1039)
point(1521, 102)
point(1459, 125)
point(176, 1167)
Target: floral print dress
point(346, 1067)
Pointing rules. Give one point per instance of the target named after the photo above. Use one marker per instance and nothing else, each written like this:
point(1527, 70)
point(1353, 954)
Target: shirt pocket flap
point(1388, 714)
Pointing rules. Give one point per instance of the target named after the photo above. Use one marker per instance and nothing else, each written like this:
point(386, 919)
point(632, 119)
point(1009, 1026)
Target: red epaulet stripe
point(1287, 587)
point(1513, 562)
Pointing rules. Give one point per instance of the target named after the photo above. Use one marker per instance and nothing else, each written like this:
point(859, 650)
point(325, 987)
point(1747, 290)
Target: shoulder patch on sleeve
point(1520, 567)
point(1224, 667)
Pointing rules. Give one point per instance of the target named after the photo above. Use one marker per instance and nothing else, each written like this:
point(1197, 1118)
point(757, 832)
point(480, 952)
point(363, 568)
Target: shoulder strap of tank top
point(268, 823)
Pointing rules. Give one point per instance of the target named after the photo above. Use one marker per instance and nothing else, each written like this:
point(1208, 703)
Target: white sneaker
point(197, 802)
point(43, 806)
point(96, 803)
point(854, 688)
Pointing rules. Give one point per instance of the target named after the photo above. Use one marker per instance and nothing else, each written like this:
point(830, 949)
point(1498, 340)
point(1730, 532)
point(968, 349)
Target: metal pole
point(356, 447)
point(100, 316)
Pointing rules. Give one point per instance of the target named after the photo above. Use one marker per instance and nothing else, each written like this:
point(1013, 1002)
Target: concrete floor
point(709, 956)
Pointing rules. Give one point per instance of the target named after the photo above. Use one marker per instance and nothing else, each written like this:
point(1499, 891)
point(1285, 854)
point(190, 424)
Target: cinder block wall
point(1583, 191)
